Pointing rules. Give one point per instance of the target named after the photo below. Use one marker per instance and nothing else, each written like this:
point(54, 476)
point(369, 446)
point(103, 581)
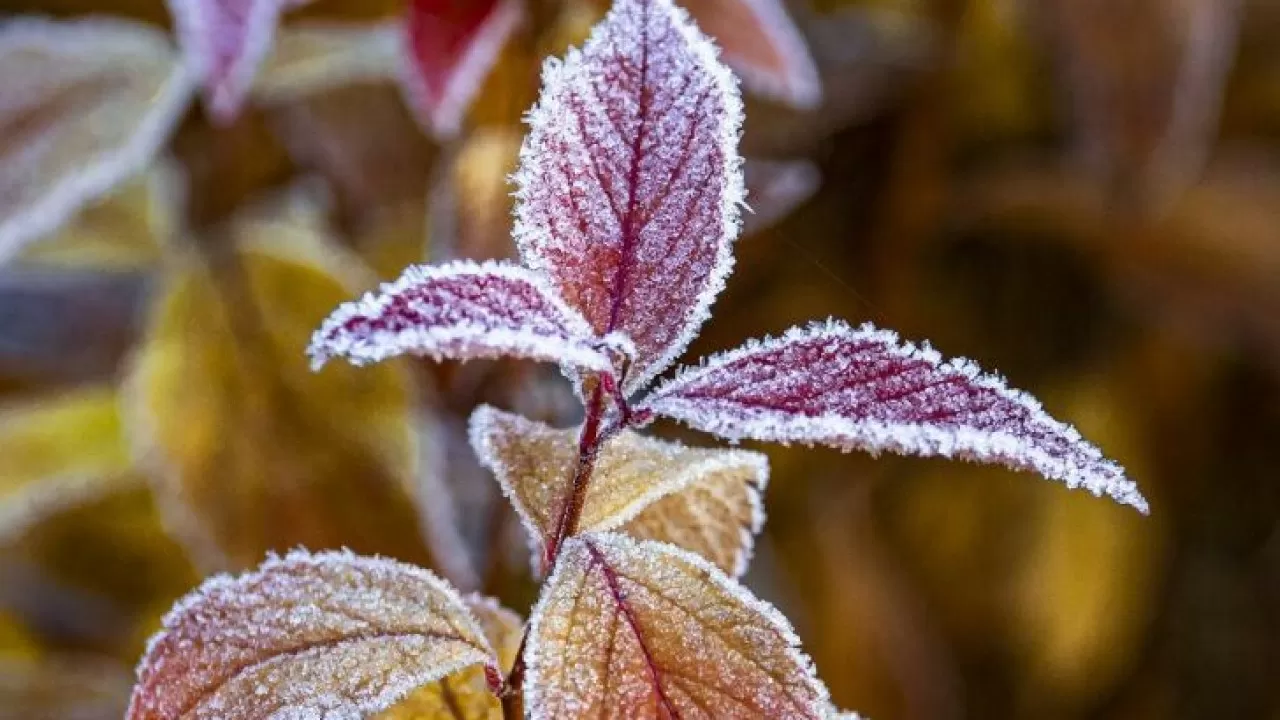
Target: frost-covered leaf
point(762, 44)
point(59, 451)
point(326, 635)
point(630, 180)
point(644, 630)
point(313, 57)
point(864, 389)
point(225, 41)
point(63, 687)
point(461, 311)
point(704, 500)
point(247, 449)
point(86, 104)
point(466, 694)
point(450, 45)
point(775, 188)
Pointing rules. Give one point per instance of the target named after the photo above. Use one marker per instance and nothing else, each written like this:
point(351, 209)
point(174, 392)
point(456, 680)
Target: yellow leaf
point(704, 500)
point(465, 695)
point(250, 451)
point(125, 231)
point(313, 57)
point(643, 630)
point(87, 104)
point(326, 635)
point(58, 451)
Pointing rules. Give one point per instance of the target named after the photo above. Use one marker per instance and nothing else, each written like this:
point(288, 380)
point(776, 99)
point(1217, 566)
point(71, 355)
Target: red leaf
point(630, 180)
point(460, 310)
point(862, 388)
point(327, 635)
point(762, 44)
point(450, 46)
point(226, 41)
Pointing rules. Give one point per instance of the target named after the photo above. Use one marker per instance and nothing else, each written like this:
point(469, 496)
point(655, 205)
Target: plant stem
point(589, 442)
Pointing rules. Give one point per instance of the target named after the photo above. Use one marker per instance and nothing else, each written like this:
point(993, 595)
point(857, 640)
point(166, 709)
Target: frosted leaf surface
point(460, 311)
point(864, 389)
point(331, 635)
point(225, 41)
point(450, 46)
point(704, 500)
point(86, 105)
point(314, 57)
point(627, 628)
point(630, 180)
point(775, 188)
point(762, 44)
point(466, 695)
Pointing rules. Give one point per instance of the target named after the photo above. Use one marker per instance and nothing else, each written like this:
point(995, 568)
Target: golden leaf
point(465, 695)
point(58, 451)
point(327, 635)
point(248, 450)
point(639, 629)
point(701, 499)
point(125, 231)
point(314, 57)
point(86, 104)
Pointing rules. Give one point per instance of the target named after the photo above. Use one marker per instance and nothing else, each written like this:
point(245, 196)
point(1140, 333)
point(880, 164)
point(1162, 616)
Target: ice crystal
point(762, 44)
point(107, 94)
point(330, 635)
point(704, 500)
point(462, 311)
point(225, 41)
point(864, 389)
point(628, 628)
point(630, 180)
point(449, 48)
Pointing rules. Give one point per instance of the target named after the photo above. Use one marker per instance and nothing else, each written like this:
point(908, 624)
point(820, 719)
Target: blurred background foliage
point(1084, 194)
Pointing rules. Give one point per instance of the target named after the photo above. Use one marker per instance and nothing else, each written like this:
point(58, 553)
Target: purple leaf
point(630, 180)
point(226, 41)
point(461, 311)
point(450, 45)
point(863, 389)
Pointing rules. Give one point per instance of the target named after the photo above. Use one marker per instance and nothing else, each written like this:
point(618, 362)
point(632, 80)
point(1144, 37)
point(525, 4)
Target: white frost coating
point(225, 41)
point(489, 324)
point(96, 175)
point(692, 586)
point(716, 397)
point(798, 85)
point(553, 121)
point(313, 57)
point(305, 636)
point(443, 116)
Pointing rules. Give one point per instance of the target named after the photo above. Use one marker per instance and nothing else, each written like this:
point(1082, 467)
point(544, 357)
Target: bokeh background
point(1082, 194)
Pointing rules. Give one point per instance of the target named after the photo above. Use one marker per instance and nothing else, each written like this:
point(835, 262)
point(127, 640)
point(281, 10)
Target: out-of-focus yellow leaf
point(701, 499)
point(125, 231)
point(58, 451)
point(248, 449)
point(314, 57)
point(86, 104)
point(15, 641)
point(465, 695)
point(654, 632)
